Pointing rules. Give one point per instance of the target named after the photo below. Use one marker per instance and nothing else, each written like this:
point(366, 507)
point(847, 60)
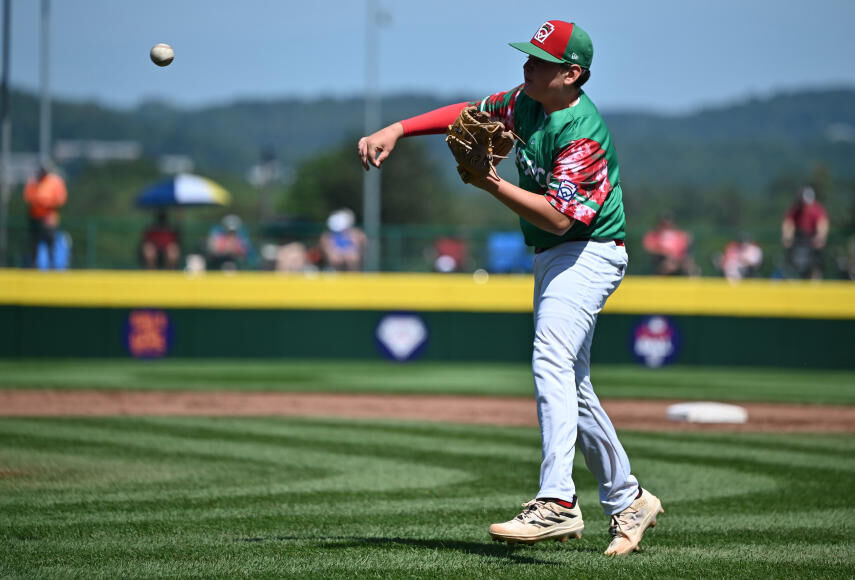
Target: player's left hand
point(477, 143)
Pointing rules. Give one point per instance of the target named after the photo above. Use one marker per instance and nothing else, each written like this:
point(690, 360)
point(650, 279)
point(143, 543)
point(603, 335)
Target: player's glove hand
point(477, 143)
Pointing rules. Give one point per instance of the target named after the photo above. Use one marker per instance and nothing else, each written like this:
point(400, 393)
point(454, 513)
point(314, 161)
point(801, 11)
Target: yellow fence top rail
point(420, 292)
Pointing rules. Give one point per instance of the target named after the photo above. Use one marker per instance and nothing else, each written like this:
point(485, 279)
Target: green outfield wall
point(652, 321)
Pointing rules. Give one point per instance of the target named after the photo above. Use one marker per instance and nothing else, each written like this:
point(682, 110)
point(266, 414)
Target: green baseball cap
point(560, 42)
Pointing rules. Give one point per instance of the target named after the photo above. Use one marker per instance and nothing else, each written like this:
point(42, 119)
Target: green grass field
point(734, 383)
point(284, 497)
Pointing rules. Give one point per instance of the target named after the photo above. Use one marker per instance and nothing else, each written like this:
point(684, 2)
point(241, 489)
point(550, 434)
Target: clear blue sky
point(657, 55)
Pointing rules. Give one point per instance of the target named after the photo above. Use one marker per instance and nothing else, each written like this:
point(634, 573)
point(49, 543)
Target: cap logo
point(543, 33)
point(574, 56)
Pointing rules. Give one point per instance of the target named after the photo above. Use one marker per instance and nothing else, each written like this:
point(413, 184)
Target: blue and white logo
point(401, 336)
point(566, 190)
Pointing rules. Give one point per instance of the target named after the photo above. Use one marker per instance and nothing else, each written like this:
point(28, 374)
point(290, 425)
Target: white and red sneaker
point(628, 526)
point(541, 519)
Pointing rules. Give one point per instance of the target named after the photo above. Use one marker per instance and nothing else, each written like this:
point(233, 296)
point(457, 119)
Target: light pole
point(371, 192)
point(5, 137)
point(44, 111)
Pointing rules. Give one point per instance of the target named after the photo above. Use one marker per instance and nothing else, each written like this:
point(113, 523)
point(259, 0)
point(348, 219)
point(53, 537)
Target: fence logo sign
point(401, 336)
point(655, 341)
point(148, 333)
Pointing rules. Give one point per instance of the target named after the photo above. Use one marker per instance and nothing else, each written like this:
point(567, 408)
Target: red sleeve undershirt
point(433, 122)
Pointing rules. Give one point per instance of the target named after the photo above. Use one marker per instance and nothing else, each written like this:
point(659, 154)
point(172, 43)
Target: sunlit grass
point(731, 383)
point(277, 497)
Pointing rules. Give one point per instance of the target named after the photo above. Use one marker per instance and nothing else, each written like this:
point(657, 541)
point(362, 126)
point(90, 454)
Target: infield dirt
point(515, 411)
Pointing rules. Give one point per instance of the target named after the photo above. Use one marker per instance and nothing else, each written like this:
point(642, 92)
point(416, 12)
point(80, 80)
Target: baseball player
point(570, 206)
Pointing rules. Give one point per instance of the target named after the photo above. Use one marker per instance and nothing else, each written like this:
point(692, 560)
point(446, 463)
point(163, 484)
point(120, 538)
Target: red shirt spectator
point(161, 244)
point(804, 232)
point(450, 254)
point(669, 248)
point(806, 218)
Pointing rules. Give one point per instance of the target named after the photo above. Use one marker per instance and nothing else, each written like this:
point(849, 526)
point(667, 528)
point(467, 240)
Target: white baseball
point(162, 54)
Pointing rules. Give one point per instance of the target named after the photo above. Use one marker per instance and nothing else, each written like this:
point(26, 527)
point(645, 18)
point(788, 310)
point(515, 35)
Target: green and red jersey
point(567, 156)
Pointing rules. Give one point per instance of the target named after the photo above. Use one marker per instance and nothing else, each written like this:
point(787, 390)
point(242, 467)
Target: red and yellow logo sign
point(148, 333)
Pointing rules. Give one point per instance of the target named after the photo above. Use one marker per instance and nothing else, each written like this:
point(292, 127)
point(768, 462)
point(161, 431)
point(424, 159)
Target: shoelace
point(625, 520)
point(534, 508)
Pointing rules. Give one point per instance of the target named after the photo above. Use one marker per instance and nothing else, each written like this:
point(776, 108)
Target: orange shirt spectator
point(45, 194)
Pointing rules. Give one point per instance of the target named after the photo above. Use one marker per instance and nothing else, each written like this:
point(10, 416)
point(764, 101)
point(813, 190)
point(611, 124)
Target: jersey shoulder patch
point(566, 190)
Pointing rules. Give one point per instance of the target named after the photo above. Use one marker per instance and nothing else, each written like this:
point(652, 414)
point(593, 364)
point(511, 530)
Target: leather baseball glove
point(477, 143)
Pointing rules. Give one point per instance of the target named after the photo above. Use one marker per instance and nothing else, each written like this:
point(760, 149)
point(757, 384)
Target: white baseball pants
point(572, 282)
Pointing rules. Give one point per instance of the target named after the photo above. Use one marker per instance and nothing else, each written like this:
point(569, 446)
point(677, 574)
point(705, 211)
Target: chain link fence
point(102, 243)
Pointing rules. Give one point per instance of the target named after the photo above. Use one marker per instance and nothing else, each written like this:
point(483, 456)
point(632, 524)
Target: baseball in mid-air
point(162, 54)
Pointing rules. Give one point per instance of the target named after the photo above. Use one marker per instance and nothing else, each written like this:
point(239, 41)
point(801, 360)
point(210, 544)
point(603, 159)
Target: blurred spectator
point(290, 256)
point(804, 232)
point(449, 255)
point(45, 193)
point(228, 245)
point(741, 259)
point(670, 249)
point(160, 247)
point(342, 244)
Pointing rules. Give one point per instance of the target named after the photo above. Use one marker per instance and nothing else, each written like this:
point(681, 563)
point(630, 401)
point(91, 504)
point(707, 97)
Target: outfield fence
point(649, 321)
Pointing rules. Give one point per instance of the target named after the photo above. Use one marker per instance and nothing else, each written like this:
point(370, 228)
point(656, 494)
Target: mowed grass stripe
point(270, 375)
point(749, 448)
point(183, 439)
point(424, 513)
point(464, 378)
point(132, 540)
point(463, 517)
point(262, 440)
point(665, 448)
point(287, 462)
point(385, 557)
point(183, 492)
point(399, 440)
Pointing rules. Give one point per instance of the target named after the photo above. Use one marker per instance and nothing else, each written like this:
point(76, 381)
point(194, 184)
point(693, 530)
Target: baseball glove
point(477, 143)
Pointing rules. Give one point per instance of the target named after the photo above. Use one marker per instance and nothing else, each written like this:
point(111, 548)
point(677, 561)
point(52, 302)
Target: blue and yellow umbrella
point(182, 190)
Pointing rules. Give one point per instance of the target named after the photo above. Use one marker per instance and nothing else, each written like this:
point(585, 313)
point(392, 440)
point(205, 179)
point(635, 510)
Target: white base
point(707, 412)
